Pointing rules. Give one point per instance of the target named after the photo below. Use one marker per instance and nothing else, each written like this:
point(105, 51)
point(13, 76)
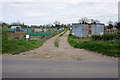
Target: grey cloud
point(65, 12)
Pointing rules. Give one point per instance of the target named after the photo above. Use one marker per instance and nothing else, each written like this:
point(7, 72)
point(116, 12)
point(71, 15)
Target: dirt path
point(63, 52)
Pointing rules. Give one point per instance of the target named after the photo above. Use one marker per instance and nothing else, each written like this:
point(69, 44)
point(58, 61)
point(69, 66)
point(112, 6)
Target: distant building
point(70, 28)
point(114, 30)
point(61, 28)
point(38, 30)
point(86, 30)
point(15, 27)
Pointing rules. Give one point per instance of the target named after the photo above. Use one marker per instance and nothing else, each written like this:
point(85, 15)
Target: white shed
point(85, 30)
point(14, 27)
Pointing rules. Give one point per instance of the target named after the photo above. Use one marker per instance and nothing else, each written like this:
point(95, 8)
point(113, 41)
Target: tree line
point(92, 21)
point(57, 24)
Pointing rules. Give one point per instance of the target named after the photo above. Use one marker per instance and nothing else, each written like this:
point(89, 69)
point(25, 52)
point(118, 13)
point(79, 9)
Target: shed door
point(89, 28)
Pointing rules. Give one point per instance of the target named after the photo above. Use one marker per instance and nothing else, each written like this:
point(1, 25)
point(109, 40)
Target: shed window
point(75, 26)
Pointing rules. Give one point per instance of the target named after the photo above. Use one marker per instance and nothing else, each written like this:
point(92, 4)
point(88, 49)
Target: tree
point(15, 23)
point(80, 21)
point(62, 25)
point(53, 26)
point(92, 21)
point(57, 23)
point(3, 24)
point(118, 26)
point(68, 25)
point(49, 25)
point(110, 25)
point(34, 26)
point(96, 21)
point(84, 20)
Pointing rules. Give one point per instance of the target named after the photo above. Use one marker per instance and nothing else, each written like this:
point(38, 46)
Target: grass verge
point(109, 48)
point(21, 45)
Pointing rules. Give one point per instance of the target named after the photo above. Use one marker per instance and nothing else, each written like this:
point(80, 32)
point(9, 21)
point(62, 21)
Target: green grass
point(18, 46)
point(56, 33)
point(74, 37)
point(109, 48)
point(60, 35)
point(42, 37)
point(63, 33)
point(56, 43)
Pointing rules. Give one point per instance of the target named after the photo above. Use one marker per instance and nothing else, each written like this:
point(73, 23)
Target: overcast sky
point(39, 12)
